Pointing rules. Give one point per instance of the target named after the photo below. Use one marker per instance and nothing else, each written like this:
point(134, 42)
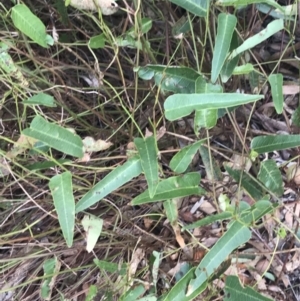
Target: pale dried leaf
point(20, 146)
point(289, 219)
point(107, 7)
point(137, 256)
point(148, 133)
point(260, 282)
point(290, 89)
point(262, 266)
point(294, 263)
point(207, 207)
point(90, 145)
point(4, 168)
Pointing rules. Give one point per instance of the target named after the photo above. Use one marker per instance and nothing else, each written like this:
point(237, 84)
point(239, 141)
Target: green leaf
point(236, 235)
point(257, 211)
point(270, 175)
point(64, 203)
point(92, 226)
point(235, 213)
point(114, 180)
point(92, 293)
point(41, 99)
point(97, 42)
point(226, 26)
point(206, 118)
point(272, 3)
point(134, 293)
point(130, 42)
point(173, 79)
point(266, 144)
point(30, 25)
point(209, 220)
point(178, 291)
point(213, 171)
point(144, 27)
point(243, 69)
point(184, 157)
point(176, 108)
point(197, 7)
point(263, 35)
point(296, 117)
point(51, 268)
point(230, 65)
point(171, 211)
point(55, 136)
point(285, 13)
point(173, 187)
point(181, 26)
point(254, 189)
point(234, 291)
point(276, 82)
point(203, 87)
point(147, 150)
point(111, 267)
point(47, 164)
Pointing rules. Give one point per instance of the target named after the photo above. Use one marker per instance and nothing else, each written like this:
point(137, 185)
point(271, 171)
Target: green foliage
point(185, 91)
point(30, 25)
point(55, 136)
point(64, 203)
point(235, 291)
point(226, 26)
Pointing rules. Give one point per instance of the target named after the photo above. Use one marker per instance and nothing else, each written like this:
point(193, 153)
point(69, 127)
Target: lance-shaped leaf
point(30, 25)
point(264, 34)
point(276, 82)
point(236, 236)
point(64, 203)
point(270, 175)
point(184, 157)
point(147, 150)
point(173, 187)
point(114, 180)
point(55, 136)
point(180, 105)
point(235, 291)
point(266, 144)
point(226, 26)
point(197, 7)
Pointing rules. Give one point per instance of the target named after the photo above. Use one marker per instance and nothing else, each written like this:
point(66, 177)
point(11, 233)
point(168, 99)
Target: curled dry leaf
point(92, 145)
point(107, 7)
